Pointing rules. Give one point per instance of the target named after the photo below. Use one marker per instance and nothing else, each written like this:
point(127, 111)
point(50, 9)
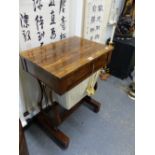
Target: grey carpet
point(109, 132)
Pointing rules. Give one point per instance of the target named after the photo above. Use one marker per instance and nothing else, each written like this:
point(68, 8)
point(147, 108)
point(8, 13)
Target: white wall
point(76, 17)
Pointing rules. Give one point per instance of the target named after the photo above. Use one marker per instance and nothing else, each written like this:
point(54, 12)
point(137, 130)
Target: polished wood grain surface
point(61, 66)
point(63, 57)
point(64, 64)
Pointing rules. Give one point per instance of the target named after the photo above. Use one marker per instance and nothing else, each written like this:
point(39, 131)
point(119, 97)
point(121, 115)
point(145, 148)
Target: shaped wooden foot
point(46, 123)
point(92, 104)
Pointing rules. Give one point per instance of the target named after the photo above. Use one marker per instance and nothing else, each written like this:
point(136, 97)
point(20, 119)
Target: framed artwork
point(93, 20)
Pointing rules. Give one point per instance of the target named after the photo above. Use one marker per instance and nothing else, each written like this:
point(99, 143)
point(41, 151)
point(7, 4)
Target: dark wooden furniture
point(123, 58)
point(22, 142)
point(60, 66)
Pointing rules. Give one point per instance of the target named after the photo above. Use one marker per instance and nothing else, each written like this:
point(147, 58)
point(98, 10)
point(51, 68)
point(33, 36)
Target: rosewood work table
point(60, 66)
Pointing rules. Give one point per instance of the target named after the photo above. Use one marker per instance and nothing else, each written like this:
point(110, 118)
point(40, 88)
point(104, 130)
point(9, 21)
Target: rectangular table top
point(62, 59)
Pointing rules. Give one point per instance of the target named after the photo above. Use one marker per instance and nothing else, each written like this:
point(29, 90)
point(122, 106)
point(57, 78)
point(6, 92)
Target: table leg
point(56, 111)
point(92, 104)
point(50, 125)
point(41, 95)
point(53, 132)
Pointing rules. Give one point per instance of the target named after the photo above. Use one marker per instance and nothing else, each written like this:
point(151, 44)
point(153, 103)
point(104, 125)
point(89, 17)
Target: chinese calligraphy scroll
point(93, 24)
point(42, 22)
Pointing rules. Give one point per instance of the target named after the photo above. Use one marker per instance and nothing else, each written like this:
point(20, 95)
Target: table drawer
point(82, 73)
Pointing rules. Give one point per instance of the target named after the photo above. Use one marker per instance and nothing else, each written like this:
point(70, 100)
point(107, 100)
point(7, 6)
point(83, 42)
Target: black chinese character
point(92, 19)
point(37, 4)
point(97, 36)
point(24, 19)
point(26, 35)
point(62, 6)
point(39, 22)
point(63, 23)
point(92, 29)
point(99, 18)
point(97, 27)
point(100, 8)
point(53, 33)
point(52, 3)
point(62, 36)
point(52, 18)
point(42, 43)
point(94, 8)
point(40, 35)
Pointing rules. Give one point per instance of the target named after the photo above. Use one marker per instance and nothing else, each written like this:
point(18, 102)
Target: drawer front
point(61, 86)
point(100, 62)
point(82, 73)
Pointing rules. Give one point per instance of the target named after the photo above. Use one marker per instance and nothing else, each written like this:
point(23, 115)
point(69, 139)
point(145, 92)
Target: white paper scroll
point(42, 22)
point(115, 11)
point(93, 26)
